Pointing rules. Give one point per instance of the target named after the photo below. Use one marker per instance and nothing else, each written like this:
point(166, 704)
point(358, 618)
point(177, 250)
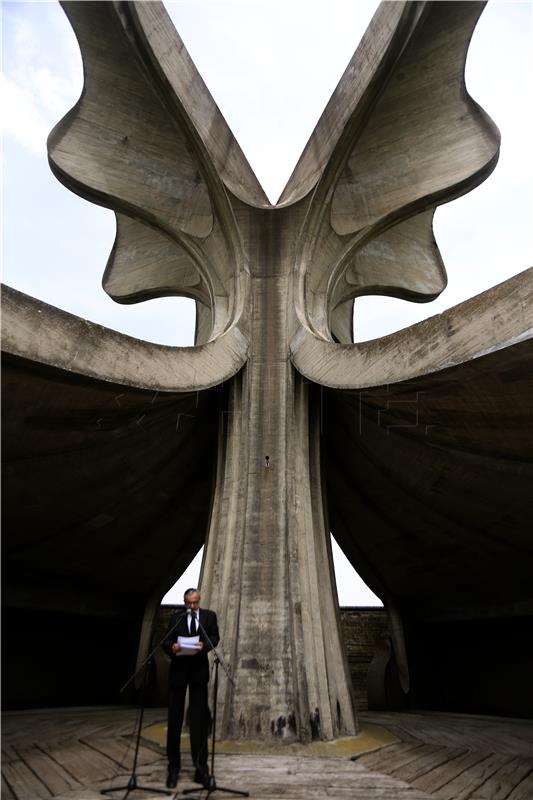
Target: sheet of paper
point(188, 644)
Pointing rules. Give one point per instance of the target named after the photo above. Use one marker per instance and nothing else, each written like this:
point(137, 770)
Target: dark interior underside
point(106, 500)
point(430, 496)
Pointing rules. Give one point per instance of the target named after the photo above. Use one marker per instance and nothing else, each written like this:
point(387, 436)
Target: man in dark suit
point(189, 671)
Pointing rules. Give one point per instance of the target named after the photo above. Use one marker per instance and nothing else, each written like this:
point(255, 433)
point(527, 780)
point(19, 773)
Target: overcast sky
point(271, 66)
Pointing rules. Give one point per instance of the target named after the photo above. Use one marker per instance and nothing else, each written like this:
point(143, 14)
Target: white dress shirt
point(189, 618)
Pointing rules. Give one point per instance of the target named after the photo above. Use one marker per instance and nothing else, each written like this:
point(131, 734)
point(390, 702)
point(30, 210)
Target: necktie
point(193, 624)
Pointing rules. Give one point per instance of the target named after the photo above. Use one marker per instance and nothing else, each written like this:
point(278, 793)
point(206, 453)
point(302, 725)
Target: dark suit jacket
point(191, 669)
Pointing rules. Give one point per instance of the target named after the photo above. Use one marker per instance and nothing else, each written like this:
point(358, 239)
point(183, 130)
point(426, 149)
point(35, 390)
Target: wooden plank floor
point(456, 756)
point(58, 753)
point(71, 754)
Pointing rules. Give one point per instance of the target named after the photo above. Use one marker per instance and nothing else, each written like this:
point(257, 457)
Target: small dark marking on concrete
point(314, 719)
point(292, 723)
point(250, 663)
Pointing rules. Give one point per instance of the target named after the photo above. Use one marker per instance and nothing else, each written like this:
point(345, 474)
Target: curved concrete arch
point(404, 256)
point(403, 262)
point(170, 60)
point(490, 321)
point(426, 135)
point(112, 154)
point(43, 334)
point(142, 157)
point(380, 44)
point(418, 133)
point(144, 263)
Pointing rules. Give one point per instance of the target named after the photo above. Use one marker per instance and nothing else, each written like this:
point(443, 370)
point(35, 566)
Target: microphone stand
point(212, 785)
point(133, 785)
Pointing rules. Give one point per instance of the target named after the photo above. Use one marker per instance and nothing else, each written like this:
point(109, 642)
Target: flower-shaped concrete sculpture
point(368, 458)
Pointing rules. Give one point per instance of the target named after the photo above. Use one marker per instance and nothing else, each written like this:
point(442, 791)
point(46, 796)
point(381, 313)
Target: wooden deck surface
point(456, 756)
point(73, 753)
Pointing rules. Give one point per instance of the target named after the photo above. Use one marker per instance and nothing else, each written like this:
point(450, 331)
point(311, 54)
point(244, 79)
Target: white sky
point(271, 67)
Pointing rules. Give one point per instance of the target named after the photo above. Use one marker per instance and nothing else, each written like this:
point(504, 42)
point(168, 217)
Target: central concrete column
point(268, 566)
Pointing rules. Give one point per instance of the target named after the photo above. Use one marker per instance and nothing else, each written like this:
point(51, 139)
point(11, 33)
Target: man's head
point(191, 599)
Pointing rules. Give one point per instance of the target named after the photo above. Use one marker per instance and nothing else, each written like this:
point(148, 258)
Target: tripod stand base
point(133, 786)
point(212, 787)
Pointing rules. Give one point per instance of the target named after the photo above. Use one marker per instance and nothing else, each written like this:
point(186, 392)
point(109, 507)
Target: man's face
point(192, 601)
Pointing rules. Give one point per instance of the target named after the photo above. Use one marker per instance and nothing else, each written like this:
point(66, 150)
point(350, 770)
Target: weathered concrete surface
point(414, 138)
point(268, 533)
point(40, 333)
point(174, 214)
point(369, 739)
point(364, 630)
point(494, 320)
point(147, 140)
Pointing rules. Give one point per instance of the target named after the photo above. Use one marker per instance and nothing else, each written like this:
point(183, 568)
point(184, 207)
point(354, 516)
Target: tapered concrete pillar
point(268, 565)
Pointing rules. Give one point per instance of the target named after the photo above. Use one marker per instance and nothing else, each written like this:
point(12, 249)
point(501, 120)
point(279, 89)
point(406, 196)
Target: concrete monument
point(409, 448)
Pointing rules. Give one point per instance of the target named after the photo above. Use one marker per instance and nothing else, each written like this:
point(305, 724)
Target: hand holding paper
point(188, 645)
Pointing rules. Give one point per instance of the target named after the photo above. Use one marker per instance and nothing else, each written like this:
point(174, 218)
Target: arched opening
point(351, 589)
point(363, 618)
point(189, 578)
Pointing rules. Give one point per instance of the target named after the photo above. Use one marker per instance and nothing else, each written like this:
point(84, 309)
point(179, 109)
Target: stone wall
point(363, 628)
